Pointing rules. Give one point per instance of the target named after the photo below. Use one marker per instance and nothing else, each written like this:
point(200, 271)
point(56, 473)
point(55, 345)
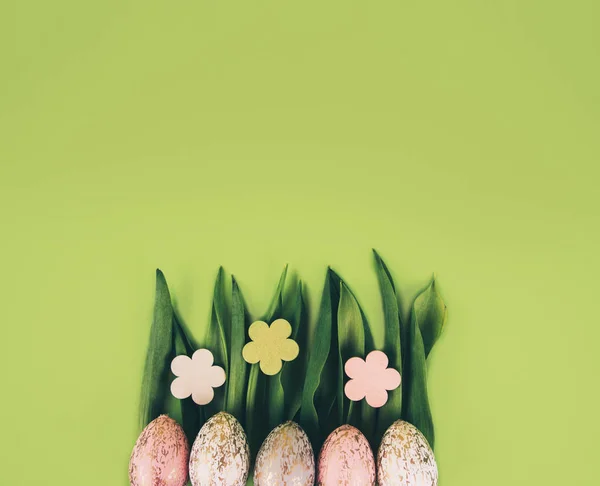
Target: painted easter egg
point(405, 458)
point(346, 458)
point(160, 455)
point(285, 458)
point(220, 455)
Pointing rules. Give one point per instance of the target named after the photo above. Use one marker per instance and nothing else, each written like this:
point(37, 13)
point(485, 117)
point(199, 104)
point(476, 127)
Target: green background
point(459, 138)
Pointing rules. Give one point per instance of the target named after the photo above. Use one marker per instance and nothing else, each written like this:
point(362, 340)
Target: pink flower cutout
point(371, 378)
point(196, 377)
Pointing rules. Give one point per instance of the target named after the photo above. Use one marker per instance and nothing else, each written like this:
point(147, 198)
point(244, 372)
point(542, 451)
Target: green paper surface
point(459, 138)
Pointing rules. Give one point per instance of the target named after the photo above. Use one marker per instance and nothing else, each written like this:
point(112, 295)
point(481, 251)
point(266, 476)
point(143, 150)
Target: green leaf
point(431, 312)
point(322, 370)
point(293, 372)
point(368, 414)
point(416, 401)
point(351, 343)
point(264, 398)
point(236, 389)
point(275, 393)
point(392, 410)
point(216, 341)
point(192, 416)
point(159, 355)
point(275, 309)
point(368, 422)
point(256, 417)
point(276, 401)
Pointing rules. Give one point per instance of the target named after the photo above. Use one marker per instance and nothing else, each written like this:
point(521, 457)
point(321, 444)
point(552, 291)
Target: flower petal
point(281, 329)
point(354, 390)
point(258, 330)
point(390, 379)
point(180, 365)
point(203, 395)
point(203, 358)
point(289, 350)
point(377, 397)
point(270, 365)
point(180, 388)
point(215, 376)
point(354, 367)
point(251, 353)
point(377, 359)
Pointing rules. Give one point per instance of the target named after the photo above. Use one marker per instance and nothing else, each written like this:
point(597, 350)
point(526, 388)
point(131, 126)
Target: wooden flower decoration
point(196, 377)
point(270, 345)
point(371, 378)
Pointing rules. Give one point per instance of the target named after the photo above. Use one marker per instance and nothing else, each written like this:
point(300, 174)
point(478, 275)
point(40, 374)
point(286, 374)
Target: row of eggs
point(220, 457)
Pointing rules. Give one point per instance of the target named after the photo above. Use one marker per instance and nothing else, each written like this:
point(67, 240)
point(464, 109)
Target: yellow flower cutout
point(270, 345)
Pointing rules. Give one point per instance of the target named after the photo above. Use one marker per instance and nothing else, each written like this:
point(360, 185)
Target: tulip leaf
point(392, 410)
point(265, 398)
point(322, 370)
point(275, 309)
point(158, 357)
point(215, 341)
point(256, 417)
point(236, 387)
point(416, 401)
point(351, 343)
point(191, 415)
point(432, 313)
point(293, 372)
point(275, 392)
point(368, 414)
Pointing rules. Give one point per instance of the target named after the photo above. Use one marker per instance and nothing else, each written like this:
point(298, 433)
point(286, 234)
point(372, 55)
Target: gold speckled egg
point(285, 458)
point(346, 458)
point(220, 455)
point(405, 458)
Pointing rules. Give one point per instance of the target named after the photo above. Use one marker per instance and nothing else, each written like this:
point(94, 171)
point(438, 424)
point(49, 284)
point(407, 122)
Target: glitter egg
point(405, 458)
point(285, 458)
point(346, 458)
point(220, 454)
point(160, 455)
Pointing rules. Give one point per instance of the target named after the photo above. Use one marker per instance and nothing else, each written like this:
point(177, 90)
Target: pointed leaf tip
point(430, 311)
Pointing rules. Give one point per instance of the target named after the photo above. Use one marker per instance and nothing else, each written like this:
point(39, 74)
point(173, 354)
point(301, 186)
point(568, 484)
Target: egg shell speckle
point(160, 456)
point(346, 458)
point(405, 458)
point(285, 458)
point(220, 454)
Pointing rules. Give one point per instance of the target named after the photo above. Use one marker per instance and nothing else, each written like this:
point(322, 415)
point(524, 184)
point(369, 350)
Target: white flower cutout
point(196, 377)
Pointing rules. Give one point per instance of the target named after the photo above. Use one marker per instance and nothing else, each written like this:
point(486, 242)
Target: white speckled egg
point(285, 458)
point(405, 458)
point(220, 454)
point(160, 455)
point(346, 458)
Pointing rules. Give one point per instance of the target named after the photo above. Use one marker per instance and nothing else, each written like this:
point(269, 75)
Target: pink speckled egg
point(285, 458)
point(405, 458)
point(160, 456)
point(346, 458)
